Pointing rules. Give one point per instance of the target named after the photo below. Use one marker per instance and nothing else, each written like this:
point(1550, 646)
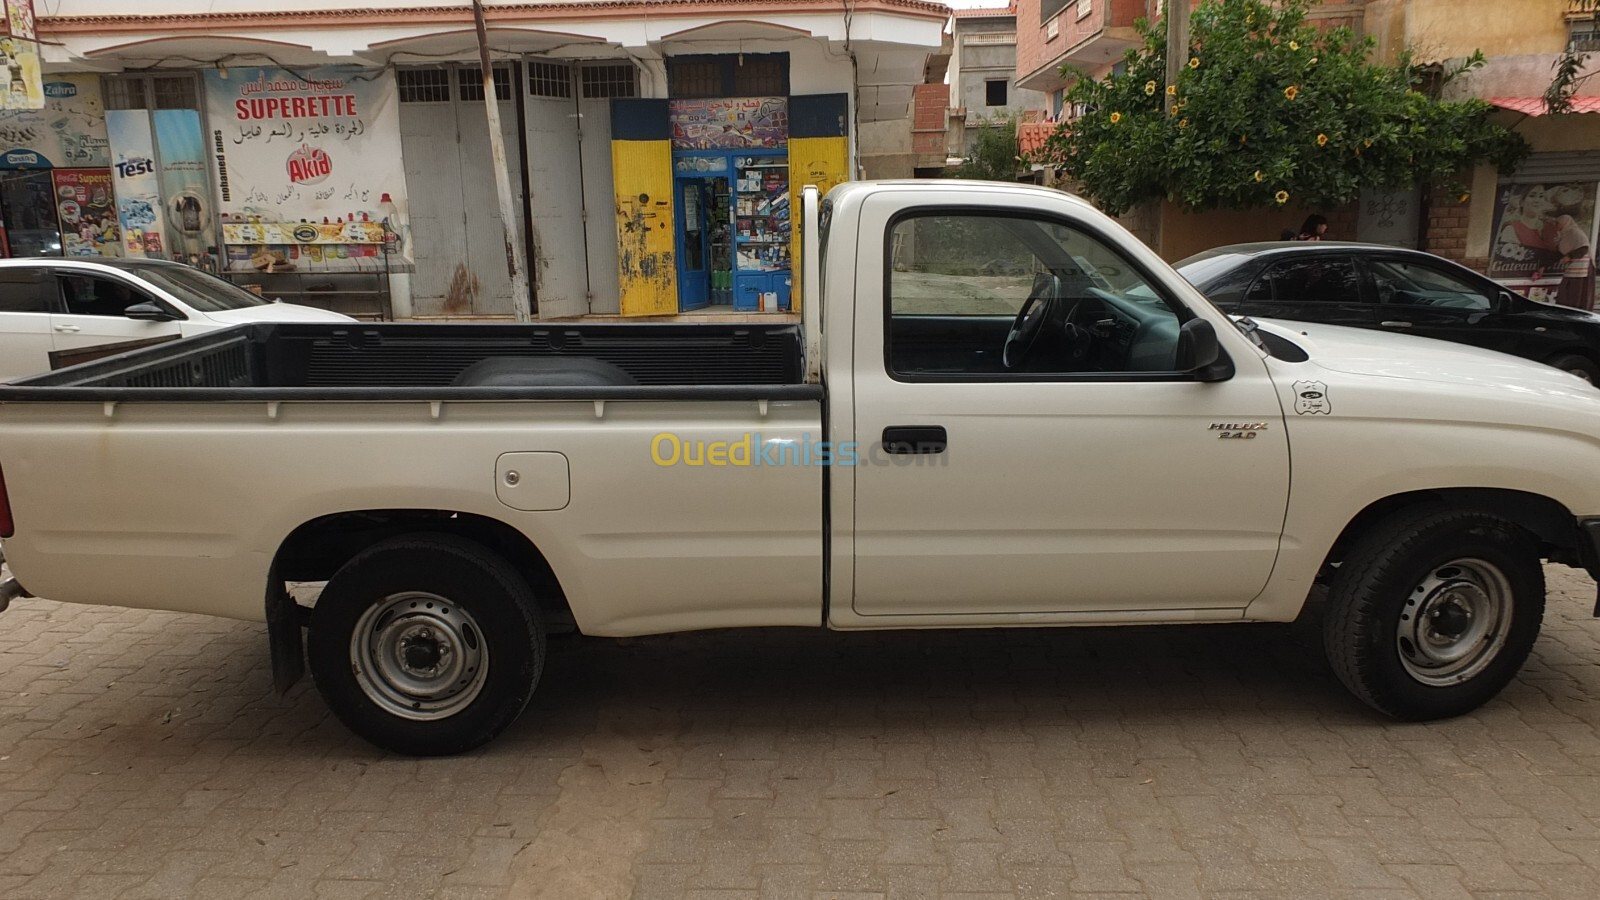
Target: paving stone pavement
point(144, 755)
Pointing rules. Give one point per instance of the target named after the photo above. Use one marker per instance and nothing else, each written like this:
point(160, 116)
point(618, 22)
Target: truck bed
point(403, 361)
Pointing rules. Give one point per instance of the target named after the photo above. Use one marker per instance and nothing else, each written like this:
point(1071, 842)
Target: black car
point(1389, 289)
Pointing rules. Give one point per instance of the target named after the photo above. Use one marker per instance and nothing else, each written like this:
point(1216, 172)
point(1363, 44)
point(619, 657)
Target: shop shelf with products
point(343, 266)
point(762, 233)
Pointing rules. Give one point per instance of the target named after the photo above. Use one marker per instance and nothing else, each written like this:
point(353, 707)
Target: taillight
point(6, 525)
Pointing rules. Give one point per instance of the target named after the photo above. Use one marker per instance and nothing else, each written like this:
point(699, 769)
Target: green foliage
point(1569, 76)
point(994, 154)
point(1268, 109)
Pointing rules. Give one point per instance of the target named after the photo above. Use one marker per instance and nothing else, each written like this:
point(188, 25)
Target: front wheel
point(426, 645)
point(1433, 612)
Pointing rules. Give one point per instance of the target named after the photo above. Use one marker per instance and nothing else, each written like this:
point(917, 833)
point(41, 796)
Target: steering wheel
point(1078, 336)
point(1025, 330)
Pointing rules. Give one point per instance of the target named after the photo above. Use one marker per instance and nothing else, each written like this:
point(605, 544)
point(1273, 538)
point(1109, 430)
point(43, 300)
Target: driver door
point(1088, 479)
point(93, 316)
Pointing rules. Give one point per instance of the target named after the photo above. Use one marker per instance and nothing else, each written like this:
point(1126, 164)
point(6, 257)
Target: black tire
point(1403, 568)
point(1581, 366)
point(450, 600)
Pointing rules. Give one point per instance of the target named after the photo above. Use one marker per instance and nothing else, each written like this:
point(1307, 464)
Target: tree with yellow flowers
point(1267, 110)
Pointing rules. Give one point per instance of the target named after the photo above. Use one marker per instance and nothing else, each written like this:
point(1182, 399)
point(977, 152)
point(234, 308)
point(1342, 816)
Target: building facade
point(1521, 41)
point(983, 75)
point(655, 147)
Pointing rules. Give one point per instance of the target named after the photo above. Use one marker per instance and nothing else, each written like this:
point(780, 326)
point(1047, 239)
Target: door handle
point(915, 439)
point(1389, 323)
point(69, 329)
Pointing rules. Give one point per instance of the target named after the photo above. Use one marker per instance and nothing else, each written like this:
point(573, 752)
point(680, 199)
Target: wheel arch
point(317, 548)
point(1548, 521)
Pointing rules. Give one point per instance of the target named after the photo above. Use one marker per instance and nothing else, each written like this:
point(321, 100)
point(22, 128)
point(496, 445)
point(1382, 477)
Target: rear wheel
point(1581, 366)
point(1433, 612)
point(426, 645)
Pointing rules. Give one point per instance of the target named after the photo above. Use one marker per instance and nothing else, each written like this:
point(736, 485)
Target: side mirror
point(148, 312)
point(1200, 354)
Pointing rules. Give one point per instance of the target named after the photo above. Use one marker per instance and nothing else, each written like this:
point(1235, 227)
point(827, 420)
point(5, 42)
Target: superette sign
point(314, 146)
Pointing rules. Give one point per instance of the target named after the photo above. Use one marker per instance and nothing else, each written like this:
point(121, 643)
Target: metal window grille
point(990, 37)
point(601, 82)
point(471, 82)
point(761, 76)
point(423, 85)
point(695, 78)
point(547, 79)
point(175, 92)
point(1585, 39)
point(121, 92)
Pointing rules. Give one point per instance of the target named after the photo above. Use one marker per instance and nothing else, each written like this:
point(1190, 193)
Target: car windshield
point(200, 291)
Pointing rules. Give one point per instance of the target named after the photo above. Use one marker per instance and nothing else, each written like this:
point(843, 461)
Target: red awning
point(1534, 106)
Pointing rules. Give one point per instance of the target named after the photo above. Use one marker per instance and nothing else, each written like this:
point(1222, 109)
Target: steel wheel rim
point(1454, 622)
point(419, 656)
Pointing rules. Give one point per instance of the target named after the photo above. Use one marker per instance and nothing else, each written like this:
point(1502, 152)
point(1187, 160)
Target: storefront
point(309, 181)
point(56, 195)
point(707, 183)
point(730, 166)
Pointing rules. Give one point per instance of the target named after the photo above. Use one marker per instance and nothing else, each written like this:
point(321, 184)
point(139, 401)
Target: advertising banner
point(21, 84)
point(319, 148)
point(86, 206)
point(138, 186)
point(1534, 224)
point(69, 132)
point(738, 123)
point(184, 184)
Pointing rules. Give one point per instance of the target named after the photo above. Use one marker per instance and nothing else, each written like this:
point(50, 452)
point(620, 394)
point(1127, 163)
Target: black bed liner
point(361, 361)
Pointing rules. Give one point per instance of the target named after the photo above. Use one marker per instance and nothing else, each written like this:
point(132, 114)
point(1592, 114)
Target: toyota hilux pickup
point(998, 409)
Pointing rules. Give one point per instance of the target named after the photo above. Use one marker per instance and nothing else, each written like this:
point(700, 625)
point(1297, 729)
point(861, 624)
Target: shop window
point(423, 85)
point(602, 82)
point(994, 93)
point(471, 79)
point(547, 79)
point(728, 75)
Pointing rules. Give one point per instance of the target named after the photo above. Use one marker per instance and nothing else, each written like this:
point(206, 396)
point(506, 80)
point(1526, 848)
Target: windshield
point(199, 290)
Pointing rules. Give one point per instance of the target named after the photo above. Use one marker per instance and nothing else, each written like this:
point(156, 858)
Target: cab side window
point(23, 291)
point(91, 295)
point(1330, 279)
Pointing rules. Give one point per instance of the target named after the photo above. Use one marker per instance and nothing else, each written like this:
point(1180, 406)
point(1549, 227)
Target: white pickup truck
point(1000, 410)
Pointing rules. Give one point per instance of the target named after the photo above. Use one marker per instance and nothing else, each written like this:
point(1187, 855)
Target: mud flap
point(1589, 553)
point(285, 637)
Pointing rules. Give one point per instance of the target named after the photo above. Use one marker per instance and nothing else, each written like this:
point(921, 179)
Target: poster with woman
point(1538, 227)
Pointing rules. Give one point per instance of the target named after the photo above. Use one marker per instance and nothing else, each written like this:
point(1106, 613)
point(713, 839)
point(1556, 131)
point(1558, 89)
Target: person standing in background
point(1314, 228)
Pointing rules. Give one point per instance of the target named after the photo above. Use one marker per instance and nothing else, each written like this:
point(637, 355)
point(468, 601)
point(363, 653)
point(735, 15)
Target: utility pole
point(516, 260)
point(1177, 12)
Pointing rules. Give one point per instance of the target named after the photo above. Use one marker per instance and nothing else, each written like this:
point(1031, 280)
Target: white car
point(73, 304)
